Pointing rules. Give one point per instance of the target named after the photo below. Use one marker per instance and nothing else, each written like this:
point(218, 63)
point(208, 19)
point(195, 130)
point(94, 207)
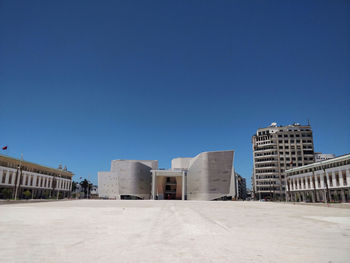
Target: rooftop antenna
point(308, 122)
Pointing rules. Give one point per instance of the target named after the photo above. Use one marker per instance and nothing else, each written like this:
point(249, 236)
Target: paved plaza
point(173, 231)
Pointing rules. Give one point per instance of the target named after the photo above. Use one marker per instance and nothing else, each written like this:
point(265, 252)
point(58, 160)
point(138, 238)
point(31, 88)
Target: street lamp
point(58, 189)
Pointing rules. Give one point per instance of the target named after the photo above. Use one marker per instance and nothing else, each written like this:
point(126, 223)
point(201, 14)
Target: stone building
point(324, 181)
point(127, 179)
point(19, 177)
point(241, 187)
point(207, 176)
point(276, 149)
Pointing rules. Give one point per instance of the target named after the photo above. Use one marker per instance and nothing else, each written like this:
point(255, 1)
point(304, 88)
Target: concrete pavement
point(172, 231)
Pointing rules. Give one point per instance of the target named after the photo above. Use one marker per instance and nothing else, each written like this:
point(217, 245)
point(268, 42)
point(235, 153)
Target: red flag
point(4, 148)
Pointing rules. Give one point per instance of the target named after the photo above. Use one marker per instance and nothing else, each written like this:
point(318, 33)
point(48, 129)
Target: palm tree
point(74, 186)
point(86, 185)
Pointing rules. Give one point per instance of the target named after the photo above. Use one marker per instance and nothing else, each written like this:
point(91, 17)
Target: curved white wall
point(127, 177)
point(180, 163)
point(209, 175)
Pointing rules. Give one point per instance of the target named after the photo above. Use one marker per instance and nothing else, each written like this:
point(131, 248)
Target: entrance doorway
point(168, 185)
point(170, 188)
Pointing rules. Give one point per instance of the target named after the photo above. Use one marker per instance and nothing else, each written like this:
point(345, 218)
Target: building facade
point(127, 179)
point(19, 178)
point(276, 149)
point(207, 176)
point(241, 187)
point(324, 181)
point(323, 156)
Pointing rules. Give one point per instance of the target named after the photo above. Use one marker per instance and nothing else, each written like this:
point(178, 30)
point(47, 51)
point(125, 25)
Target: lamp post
point(18, 176)
point(57, 185)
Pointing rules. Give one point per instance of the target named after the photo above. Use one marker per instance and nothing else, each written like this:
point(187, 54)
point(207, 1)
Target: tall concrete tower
point(276, 149)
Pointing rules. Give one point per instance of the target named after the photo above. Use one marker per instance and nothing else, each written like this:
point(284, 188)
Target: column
point(183, 185)
point(7, 177)
point(313, 196)
point(324, 196)
point(317, 195)
point(304, 196)
point(342, 193)
point(153, 185)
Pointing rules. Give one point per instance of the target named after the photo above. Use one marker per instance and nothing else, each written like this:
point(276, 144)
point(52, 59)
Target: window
point(3, 176)
point(10, 178)
point(344, 178)
point(337, 178)
point(330, 180)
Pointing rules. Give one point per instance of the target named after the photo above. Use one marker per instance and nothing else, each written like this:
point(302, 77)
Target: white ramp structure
point(128, 179)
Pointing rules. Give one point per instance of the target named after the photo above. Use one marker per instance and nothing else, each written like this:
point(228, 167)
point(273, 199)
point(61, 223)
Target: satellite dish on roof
point(274, 124)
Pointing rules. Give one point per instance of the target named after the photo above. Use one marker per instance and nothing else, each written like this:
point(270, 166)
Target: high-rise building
point(241, 188)
point(276, 149)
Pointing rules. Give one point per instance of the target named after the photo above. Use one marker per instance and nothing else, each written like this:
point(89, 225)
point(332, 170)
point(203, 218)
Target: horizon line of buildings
point(280, 150)
point(285, 167)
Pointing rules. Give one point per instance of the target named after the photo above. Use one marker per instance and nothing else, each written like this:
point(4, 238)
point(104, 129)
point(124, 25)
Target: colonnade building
point(276, 149)
point(207, 176)
point(324, 181)
point(19, 177)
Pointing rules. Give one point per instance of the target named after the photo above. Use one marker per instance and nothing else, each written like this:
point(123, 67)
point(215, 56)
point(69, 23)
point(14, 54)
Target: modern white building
point(127, 179)
point(207, 176)
point(324, 181)
point(276, 149)
point(18, 177)
point(323, 156)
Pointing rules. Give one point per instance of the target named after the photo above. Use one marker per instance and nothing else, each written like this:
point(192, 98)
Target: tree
point(6, 193)
point(74, 186)
point(86, 185)
point(27, 194)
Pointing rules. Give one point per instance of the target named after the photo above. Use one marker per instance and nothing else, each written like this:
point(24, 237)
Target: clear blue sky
point(85, 82)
